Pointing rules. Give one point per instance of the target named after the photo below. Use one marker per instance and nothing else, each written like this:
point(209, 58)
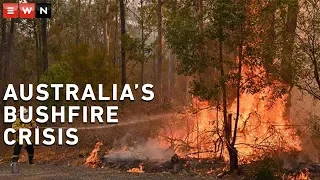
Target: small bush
point(265, 173)
point(266, 169)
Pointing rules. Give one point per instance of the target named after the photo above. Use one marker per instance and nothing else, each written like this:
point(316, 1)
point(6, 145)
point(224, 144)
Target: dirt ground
point(51, 171)
point(64, 162)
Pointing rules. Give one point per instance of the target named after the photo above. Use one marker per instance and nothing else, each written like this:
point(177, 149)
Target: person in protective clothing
point(17, 148)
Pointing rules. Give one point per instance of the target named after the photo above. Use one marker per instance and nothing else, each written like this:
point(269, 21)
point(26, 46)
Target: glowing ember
point(93, 160)
point(302, 175)
point(138, 169)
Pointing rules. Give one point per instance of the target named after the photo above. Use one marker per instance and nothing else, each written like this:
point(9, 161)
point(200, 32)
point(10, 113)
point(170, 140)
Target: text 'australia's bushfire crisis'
point(65, 114)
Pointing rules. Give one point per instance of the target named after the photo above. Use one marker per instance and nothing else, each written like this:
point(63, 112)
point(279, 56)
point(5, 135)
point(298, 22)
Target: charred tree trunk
point(240, 60)
point(233, 154)
point(123, 52)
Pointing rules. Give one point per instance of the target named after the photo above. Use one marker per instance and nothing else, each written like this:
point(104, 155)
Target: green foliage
point(205, 91)
point(133, 48)
point(195, 42)
point(57, 73)
point(89, 66)
point(81, 65)
point(265, 173)
point(227, 15)
point(182, 33)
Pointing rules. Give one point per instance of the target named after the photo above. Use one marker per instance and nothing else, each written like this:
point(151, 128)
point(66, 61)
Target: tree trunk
point(114, 57)
point(6, 61)
point(142, 42)
point(287, 50)
point(7, 53)
point(2, 85)
point(233, 154)
point(171, 79)
point(2, 54)
point(37, 50)
point(106, 30)
point(240, 56)
point(78, 8)
point(45, 62)
point(123, 52)
point(223, 84)
point(270, 44)
point(160, 49)
point(288, 41)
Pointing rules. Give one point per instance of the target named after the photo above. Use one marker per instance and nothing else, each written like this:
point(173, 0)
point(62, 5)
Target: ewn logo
point(26, 10)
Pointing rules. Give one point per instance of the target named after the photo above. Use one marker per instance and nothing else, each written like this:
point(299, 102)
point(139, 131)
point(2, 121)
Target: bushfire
point(303, 174)
point(93, 159)
point(262, 127)
point(138, 169)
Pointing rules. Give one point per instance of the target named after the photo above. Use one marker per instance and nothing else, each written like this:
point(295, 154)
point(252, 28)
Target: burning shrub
point(138, 169)
point(93, 160)
point(303, 174)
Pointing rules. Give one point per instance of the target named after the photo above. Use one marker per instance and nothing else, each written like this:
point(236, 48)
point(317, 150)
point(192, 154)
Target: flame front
point(262, 127)
point(138, 169)
point(301, 175)
point(93, 159)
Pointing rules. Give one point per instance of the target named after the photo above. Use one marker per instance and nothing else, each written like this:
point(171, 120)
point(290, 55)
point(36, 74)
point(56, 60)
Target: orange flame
point(262, 127)
point(93, 159)
point(138, 169)
point(302, 175)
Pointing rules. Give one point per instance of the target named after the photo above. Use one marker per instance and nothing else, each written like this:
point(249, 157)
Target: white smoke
point(151, 151)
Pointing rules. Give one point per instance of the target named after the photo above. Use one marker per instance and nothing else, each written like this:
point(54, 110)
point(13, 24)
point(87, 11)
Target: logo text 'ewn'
point(26, 10)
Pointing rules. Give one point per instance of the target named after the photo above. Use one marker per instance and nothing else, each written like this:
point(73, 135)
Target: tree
point(106, 28)
point(160, 50)
point(78, 12)
point(44, 38)
point(123, 52)
point(2, 51)
point(288, 41)
point(216, 55)
point(2, 81)
point(307, 49)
